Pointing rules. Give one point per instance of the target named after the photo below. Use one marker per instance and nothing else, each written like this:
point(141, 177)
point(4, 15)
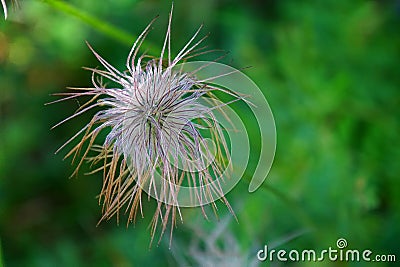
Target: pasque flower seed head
point(158, 126)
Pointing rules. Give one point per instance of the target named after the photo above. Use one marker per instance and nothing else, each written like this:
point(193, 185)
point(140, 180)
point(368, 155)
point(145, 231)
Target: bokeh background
point(330, 71)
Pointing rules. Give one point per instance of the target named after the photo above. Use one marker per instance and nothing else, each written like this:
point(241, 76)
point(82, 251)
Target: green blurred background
point(330, 70)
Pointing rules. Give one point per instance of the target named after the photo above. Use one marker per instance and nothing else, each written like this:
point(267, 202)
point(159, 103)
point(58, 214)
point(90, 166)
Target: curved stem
point(290, 203)
point(98, 24)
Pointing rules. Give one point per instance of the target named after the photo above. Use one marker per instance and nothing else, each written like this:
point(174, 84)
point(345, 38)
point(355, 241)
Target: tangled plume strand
point(156, 120)
point(3, 4)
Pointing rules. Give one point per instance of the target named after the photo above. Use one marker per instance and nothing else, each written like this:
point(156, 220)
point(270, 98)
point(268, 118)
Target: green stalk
point(290, 203)
point(99, 25)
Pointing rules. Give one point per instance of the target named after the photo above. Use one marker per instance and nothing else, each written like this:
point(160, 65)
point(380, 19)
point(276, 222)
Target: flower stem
point(99, 25)
point(289, 202)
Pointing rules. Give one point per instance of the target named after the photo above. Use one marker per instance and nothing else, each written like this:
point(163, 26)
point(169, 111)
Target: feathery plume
point(3, 4)
point(159, 119)
point(218, 247)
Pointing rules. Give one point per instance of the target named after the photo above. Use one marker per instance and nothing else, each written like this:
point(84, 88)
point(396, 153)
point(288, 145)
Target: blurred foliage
point(329, 69)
